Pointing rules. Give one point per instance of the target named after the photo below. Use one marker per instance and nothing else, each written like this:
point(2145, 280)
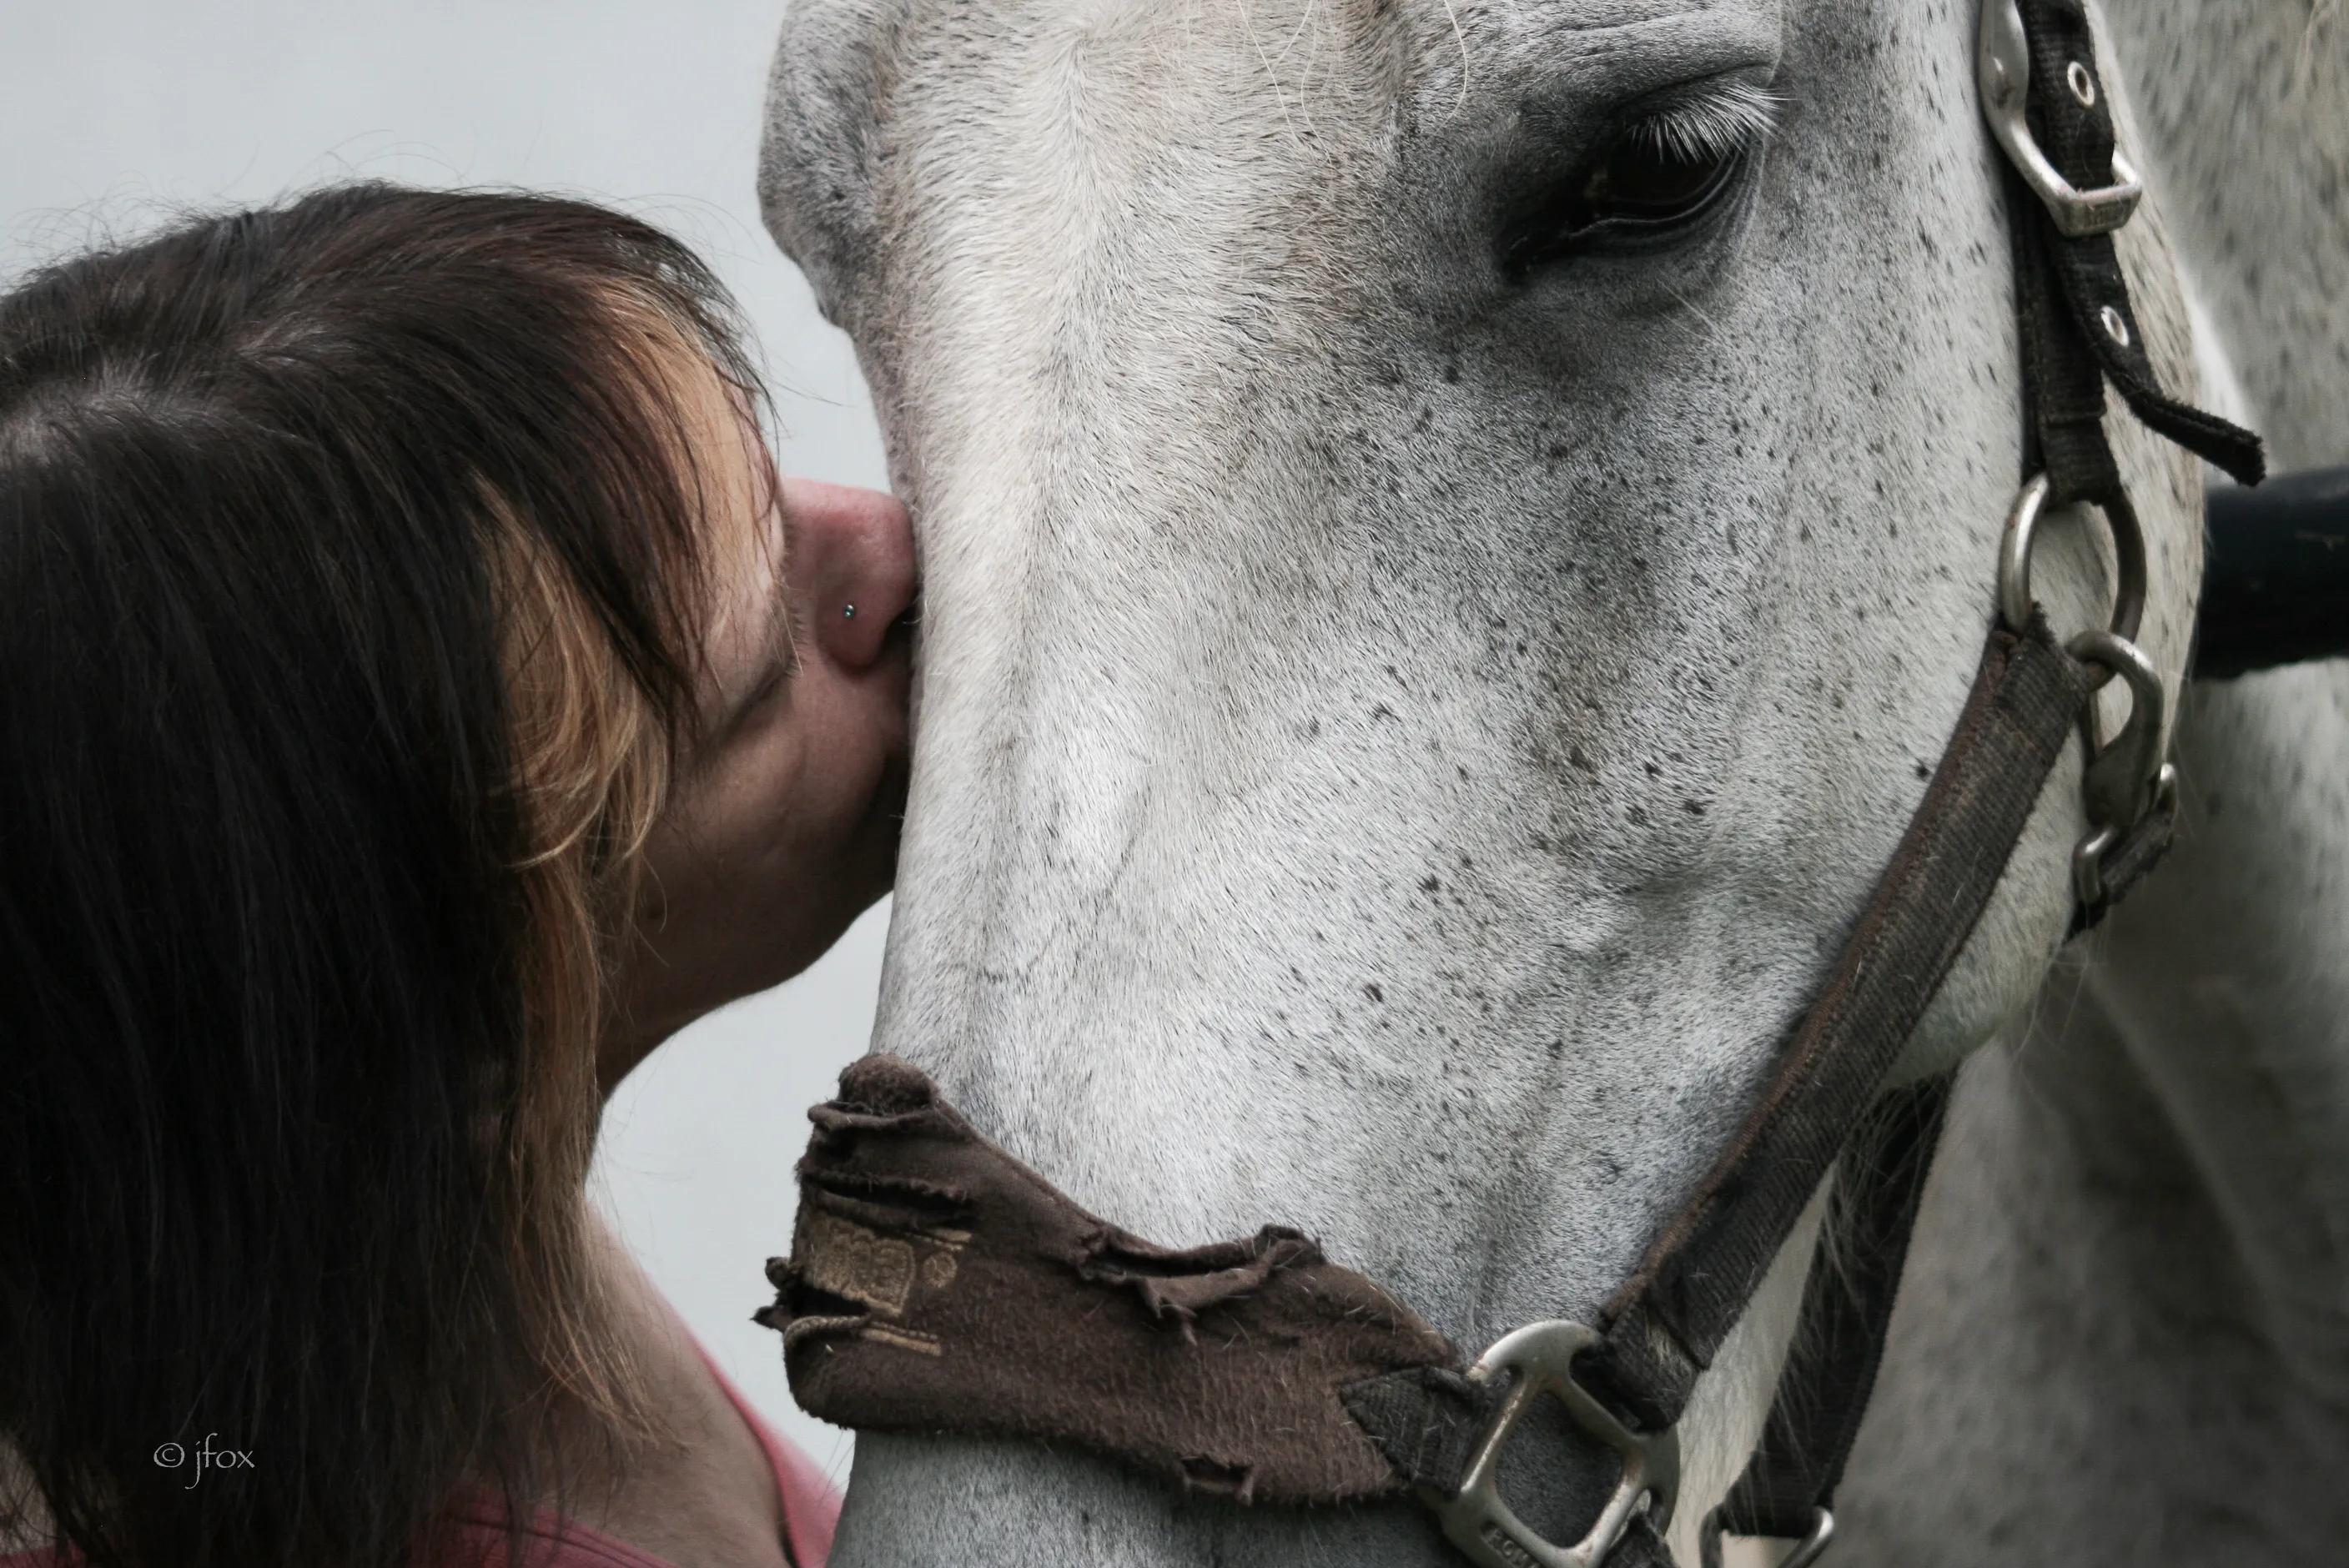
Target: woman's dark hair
point(351, 563)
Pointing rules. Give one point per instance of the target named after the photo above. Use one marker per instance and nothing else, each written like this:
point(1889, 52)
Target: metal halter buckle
point(1809, 1550)
point(1483, 1527)
point(2002, 66)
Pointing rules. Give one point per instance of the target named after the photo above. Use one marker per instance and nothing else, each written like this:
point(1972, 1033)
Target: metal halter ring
point(2015, 602)
point(1483, 1527)
point(2003, 68)
point(1809, 1550)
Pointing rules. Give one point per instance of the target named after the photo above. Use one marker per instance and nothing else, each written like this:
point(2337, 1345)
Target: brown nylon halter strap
point(1665, 1324)
point(938, 1286)
point(1699, 1275)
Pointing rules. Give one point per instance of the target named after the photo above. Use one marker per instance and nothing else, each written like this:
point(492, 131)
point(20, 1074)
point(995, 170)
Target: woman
point(417, 699)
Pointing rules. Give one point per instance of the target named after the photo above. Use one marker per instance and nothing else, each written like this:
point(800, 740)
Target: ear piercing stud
point(849, 614)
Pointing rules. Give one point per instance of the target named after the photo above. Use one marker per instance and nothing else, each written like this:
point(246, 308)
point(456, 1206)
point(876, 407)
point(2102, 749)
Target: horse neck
point(2127, 1296)
point(2231, 980)
point(2127, 1329)
point(2239, 106)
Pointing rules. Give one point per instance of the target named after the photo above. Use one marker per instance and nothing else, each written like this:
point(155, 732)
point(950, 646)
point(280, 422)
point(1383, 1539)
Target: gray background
point(114, 113)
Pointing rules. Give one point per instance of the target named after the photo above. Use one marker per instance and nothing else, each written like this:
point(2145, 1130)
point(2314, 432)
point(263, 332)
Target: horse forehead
point(924, 156)
point(931, 72)
point(1287, 42)
point(1015, 25)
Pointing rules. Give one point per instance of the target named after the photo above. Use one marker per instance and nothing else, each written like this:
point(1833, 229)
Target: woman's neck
point(701, 1493)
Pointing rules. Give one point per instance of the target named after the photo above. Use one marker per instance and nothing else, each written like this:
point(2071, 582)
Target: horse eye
point(1639, 186)
point(1637, 181)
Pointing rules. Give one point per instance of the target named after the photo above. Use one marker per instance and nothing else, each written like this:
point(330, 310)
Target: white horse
point(1408, 706)
point(2125, 1337)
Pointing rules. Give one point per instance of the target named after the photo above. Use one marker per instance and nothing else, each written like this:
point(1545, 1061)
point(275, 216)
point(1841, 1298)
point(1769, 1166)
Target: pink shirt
point(811, 1509)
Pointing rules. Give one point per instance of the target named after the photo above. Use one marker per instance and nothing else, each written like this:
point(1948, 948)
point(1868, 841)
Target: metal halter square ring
point(1480, 1525)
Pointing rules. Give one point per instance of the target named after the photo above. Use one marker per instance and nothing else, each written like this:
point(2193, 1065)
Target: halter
point(938, 1286)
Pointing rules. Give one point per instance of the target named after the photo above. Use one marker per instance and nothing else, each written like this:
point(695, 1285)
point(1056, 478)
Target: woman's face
point(782, 822)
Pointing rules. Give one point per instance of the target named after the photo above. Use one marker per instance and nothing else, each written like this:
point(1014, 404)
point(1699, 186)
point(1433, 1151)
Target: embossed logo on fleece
point(846, 1259)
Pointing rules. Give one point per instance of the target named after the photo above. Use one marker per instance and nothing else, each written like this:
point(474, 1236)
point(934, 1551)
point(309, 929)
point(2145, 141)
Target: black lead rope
point(1788, 1489)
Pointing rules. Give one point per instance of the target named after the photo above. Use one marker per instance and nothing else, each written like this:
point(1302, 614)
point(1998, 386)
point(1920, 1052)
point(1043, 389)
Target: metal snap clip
point(2125, 778)
point(1484, 1527)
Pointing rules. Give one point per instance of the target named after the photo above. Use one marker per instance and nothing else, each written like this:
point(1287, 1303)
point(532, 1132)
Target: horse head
point(1453, 533)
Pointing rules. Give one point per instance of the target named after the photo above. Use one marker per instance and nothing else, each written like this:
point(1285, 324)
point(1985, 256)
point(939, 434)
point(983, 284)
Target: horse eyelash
point(1722, 120)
